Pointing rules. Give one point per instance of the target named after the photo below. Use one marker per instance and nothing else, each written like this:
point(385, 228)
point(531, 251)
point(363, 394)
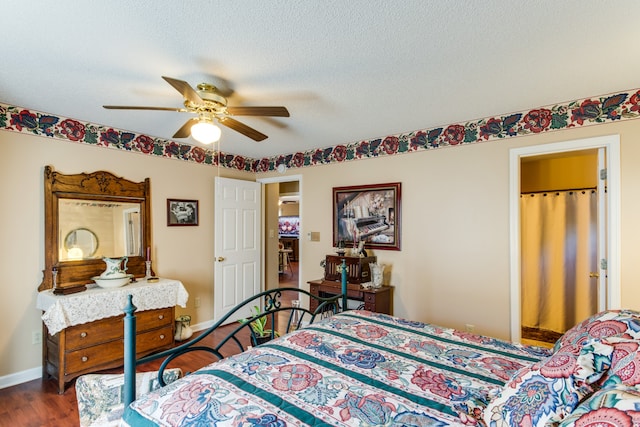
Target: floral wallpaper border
point(583, 112)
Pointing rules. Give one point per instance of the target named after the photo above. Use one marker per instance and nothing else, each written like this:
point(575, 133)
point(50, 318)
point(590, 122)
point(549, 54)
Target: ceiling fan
point(209, 104)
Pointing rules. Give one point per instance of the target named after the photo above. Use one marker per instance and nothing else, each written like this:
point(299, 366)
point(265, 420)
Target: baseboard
point(36, 373)
point(202, 326)
point(20, 377)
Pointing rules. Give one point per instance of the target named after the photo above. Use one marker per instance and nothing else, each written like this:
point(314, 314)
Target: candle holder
point(148, 271)
point(54, 278)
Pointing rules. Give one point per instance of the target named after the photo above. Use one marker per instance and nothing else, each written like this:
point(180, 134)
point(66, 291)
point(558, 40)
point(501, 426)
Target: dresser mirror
point(89, 216)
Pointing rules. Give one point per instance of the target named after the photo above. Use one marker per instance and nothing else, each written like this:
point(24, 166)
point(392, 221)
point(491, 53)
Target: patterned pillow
point(617, 406)
point(625, 362)
point(607, 323)
point(549, 390)
point(100, 396)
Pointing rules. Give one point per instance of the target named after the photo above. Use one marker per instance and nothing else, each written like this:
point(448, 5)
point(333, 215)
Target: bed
point(358, 368)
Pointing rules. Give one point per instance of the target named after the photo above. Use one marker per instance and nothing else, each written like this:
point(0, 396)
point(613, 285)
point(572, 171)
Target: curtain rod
point(560, 191)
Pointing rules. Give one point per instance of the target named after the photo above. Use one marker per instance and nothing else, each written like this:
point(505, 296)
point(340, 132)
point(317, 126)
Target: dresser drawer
point(155, 339)
point(88, 334)
point(152, 319)
point(91, 357)
point(370, 302)
point(110, 352)
point(104, 330)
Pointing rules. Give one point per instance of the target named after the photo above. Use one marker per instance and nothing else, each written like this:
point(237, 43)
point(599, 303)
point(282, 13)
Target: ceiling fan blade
point(131, 107)
point(243, 129)
point(259, 111)
point(185, 89)
point(185, 130)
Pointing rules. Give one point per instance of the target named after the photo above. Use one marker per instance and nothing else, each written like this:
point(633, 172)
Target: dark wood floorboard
point(537, 334)
point(37, 403)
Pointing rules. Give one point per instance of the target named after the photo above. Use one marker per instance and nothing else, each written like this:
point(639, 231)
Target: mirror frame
point(73, 276)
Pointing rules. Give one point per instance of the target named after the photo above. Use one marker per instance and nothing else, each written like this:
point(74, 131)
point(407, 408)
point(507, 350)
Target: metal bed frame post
point(344, 285)
point(129, 352)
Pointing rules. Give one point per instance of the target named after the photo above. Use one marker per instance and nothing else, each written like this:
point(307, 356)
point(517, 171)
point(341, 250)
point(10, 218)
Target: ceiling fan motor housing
point(212, 102)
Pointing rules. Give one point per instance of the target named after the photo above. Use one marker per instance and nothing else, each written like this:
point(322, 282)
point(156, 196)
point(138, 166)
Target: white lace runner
point(62, 311)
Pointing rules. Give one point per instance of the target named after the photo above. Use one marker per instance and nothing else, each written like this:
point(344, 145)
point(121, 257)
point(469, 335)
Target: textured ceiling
point(346, 70)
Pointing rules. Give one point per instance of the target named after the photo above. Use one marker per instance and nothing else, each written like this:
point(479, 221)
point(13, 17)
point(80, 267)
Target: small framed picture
point(182, 212)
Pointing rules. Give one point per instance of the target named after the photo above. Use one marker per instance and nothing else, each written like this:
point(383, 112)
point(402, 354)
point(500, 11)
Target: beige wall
point(289, 209)
point(270, 195)
point(453, 268)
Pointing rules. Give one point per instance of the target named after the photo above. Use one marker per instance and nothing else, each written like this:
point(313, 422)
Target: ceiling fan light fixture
point(205, 132)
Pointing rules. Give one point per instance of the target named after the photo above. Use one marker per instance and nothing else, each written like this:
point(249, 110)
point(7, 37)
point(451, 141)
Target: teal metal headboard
point(272, 305)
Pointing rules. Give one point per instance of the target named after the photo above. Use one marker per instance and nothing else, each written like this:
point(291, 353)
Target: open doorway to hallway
point(288, 233)
point(282, 250)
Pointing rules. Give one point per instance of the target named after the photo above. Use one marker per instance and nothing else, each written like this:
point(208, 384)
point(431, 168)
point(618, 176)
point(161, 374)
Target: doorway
point(282, 251)
point(607, 271)
point(288, 233)
point(559, 235)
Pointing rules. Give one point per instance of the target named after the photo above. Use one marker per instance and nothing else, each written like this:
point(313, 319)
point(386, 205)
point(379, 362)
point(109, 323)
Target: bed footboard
point(272, 309)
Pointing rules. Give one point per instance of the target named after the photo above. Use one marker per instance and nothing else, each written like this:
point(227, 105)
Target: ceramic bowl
point(115, 282)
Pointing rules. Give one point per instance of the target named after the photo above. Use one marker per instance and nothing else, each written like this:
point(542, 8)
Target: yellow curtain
point(559, 250)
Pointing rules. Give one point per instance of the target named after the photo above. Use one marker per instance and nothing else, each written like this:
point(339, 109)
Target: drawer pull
point(161, 336)
point(83, 335)
point(161, 316)
point(84, 358)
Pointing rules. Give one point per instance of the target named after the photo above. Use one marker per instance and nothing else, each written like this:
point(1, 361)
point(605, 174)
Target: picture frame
point(369, 214)
point(289, 226)
point(181, 212)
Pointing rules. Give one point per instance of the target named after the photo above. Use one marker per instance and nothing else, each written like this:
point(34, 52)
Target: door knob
point(220, 259)
point(596, 275)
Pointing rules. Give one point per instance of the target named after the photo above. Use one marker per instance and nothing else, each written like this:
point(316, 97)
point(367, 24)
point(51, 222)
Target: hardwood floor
point(37, 403)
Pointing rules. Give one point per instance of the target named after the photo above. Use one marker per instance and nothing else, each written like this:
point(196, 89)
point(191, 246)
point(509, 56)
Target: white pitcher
point(116, 267)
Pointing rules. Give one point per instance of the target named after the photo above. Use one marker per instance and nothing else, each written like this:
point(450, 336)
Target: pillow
point(549, 390)
point(607, 323)
point(101, 396)
point(625, 362)
point(616, 406)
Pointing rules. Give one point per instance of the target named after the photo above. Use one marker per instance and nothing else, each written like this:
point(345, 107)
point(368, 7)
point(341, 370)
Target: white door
point(601, 273)
point(238, 231)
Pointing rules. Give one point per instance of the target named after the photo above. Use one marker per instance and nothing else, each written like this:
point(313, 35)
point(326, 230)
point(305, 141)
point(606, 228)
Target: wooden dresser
point(99, 345)
point(373, 299)
point(88, 327)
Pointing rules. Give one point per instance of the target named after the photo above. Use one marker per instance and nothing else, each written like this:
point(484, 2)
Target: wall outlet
point(36, 337)
point(469, 327)
point(197, 302)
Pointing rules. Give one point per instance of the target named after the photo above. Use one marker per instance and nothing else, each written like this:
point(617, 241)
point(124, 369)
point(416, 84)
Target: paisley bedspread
point(356, 368)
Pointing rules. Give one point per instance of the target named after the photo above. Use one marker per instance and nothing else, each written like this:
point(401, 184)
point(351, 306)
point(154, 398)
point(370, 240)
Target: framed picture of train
point(369, 214)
